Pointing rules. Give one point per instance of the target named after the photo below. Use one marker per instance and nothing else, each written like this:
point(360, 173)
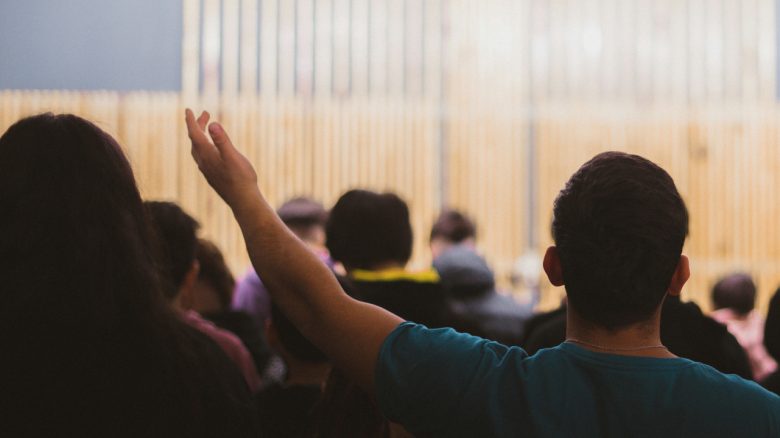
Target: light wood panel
point(724, 163)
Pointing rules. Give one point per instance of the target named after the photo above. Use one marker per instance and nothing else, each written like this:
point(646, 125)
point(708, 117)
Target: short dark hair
point(619, 225)
point(366, 229)
point(736, 292)
point(453, 226)
point(293, 341)
point(176, 233)
point(214, 271)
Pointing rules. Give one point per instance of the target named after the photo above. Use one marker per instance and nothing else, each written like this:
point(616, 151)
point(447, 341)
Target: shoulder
point(734, 391)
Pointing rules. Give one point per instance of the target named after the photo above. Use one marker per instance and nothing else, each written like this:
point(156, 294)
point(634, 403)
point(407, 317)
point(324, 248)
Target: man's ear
point(681, 274)
point(552, 266)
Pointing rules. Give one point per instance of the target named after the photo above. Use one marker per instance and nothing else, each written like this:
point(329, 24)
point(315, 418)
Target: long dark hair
point(84, 328)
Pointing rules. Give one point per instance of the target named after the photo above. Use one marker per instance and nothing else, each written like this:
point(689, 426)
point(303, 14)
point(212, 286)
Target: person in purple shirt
point(304, 217)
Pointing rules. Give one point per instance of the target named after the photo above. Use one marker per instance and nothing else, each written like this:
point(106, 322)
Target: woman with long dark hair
point(87, 343)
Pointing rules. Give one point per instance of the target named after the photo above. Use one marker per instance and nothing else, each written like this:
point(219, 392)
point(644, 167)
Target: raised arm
point(349, 331)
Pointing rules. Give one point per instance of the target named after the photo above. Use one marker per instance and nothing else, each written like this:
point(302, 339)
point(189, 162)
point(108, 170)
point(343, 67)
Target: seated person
point(619, 227)
point(288, 409)
point(371, 236)
point(733, 299)
point(304, 217)
point(211, 296)
point(89, 346)
point(176, 234)
point(470, 285)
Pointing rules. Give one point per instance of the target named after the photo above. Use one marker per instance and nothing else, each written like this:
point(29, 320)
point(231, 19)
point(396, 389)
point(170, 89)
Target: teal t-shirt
point(442, 383)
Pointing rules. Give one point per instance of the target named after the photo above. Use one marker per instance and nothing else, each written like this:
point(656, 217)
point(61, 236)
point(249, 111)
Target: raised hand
point(226, 170)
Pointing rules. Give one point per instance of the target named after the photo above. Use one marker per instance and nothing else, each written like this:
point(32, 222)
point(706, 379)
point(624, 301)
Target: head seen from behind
point(73, 235)
point(451, 228)
point(177, 241)
point(213, 290)
point(368, 230)
point(306, 218)
point(619, 226)
point(736, 292)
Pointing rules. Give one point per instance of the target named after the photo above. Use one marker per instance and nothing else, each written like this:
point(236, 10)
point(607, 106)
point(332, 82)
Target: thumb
point(221, 139)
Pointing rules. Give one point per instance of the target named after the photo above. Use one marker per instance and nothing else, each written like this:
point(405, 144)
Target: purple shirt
point(251, 296)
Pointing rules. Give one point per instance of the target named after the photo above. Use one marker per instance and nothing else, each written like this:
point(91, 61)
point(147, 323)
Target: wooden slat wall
point(444, 101)
point(724, 164)
point(298, 148)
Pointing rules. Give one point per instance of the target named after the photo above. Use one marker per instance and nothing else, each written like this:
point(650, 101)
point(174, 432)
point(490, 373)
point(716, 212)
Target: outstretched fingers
point(202, 147)
point(221, 140)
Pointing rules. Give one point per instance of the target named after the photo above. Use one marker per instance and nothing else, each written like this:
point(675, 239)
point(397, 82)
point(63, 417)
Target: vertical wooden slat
point(190, 47)
point(230, 49)
point(269, 53)
point(249, 43)
point(211, 47)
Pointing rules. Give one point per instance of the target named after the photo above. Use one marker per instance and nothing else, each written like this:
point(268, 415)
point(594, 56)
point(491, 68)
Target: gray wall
point(90, 44)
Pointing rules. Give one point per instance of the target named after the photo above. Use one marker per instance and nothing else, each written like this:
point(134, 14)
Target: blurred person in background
point(370, 234)
point(306, 218)
point(734, 299)
point(176, 233)
point(470, 284)
point(211, 296)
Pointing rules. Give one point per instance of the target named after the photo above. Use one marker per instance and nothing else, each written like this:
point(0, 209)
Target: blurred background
point(486, 106)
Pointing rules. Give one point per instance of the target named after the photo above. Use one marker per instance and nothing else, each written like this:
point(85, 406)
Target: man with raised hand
point(619, 227)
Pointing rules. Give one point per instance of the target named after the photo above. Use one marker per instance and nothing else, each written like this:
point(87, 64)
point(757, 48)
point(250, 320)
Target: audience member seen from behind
point(176, 232)
point(452, 228)
point(619, 227)
point(90, 348)
point(211, 297)
point(288, 409)
point(370, 234)
point(470, 284)
point(304, 217)
point(733, 299)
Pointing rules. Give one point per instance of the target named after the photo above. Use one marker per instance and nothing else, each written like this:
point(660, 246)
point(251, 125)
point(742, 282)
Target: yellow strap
point(429, 276)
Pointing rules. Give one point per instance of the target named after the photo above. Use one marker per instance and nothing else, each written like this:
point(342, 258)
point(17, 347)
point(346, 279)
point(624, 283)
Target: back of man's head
point(619, 226)
point(176, 232)
point(305, 217)
point(367, 229)
point(454, 227)
point(293, 342)
point(736, 292)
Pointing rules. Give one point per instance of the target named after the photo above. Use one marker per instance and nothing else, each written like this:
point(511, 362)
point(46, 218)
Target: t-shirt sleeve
point(427, 377)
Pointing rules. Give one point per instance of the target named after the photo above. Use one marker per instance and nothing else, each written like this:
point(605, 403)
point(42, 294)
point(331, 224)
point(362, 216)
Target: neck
point(641, 339)
point(307, 374)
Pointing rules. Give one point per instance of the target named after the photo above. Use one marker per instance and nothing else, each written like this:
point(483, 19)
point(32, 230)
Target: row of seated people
point(460, 293)
point(117, 319)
